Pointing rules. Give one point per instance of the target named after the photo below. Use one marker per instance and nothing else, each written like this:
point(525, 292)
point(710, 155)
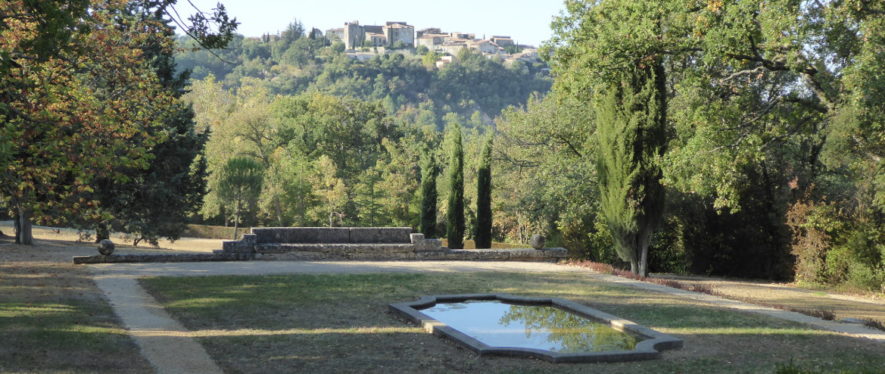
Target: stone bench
point(332, 241)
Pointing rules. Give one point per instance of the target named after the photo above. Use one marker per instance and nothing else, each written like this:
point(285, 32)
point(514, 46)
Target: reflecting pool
point(500, 324)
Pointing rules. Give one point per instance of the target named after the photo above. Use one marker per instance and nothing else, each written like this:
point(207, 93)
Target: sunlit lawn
point(340, 323)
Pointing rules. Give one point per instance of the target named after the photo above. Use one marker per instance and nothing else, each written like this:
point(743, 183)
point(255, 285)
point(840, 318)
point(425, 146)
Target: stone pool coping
point(645, 350)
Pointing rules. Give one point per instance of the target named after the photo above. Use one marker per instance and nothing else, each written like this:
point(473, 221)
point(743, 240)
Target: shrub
point(865, 277)
point(837, 265)
point(813, 225)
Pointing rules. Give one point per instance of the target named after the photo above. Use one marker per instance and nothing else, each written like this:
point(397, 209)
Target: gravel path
point(163, 340)
point(843, 306)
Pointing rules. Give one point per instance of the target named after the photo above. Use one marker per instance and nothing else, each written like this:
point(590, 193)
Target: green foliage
point(630, 135)
point(455, 213)
point(429, 197)
point(80, 103)
point(768, 102)
point(830, 249)
point(239, 186)
point(483, 236)
point(155, 202)
point(291, 67)
point(547, 175)
point(327, 160)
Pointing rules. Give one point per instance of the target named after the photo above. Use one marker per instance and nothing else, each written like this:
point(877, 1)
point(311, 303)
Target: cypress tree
point(484, 198)
point(455, 217)
point(429, 171)
point(631, 135)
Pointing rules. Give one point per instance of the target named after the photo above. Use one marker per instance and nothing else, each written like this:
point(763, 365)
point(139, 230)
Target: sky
point(527, 21)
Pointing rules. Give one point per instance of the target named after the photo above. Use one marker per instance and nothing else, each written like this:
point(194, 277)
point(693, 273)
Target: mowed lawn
point(341, 323)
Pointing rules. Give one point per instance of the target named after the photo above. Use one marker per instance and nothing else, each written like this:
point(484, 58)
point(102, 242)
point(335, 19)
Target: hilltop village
point(365, 41)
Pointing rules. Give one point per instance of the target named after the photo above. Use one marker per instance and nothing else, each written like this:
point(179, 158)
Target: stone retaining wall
point(367, 254)
point(202, 257)
point(368, 243)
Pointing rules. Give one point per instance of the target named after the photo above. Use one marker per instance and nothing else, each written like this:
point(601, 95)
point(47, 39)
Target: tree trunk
point(25, 235)
point(278, 206)
point(236, 219)
point(642, 242)
point(102, 232)
point(634, 266)
point(17, 223)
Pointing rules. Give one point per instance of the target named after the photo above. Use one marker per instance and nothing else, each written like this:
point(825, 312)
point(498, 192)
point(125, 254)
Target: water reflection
point(499, 324)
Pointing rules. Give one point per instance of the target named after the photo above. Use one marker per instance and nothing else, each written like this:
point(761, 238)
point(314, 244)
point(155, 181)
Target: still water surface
point(499, 324)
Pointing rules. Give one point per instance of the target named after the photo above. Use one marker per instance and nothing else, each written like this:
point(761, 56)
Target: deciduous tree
point(239, 186)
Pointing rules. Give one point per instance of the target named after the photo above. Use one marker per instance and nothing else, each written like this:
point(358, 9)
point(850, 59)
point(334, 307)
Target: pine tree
point(429, 170)
point(630, 131)
point(484, 198)
point(455, 217)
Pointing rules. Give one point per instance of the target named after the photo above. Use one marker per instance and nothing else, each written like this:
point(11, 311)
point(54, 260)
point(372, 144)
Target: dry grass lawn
point(54, 319)
point(340, 323)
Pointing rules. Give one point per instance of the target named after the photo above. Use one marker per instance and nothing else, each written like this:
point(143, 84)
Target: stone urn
point(106, 247)
point(538, 241)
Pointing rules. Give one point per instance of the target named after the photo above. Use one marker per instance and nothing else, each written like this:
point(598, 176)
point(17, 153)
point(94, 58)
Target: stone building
point(431, 41)
point(400, 32)
point(484, 46)
point(428, 31)
point(453, 47)
point(461, 36)
point(375, 40)
point(356, 35)
point(502, 41)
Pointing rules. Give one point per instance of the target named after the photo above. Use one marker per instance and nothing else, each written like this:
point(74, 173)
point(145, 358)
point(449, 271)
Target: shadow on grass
point(52, 318)
point(394, 350)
